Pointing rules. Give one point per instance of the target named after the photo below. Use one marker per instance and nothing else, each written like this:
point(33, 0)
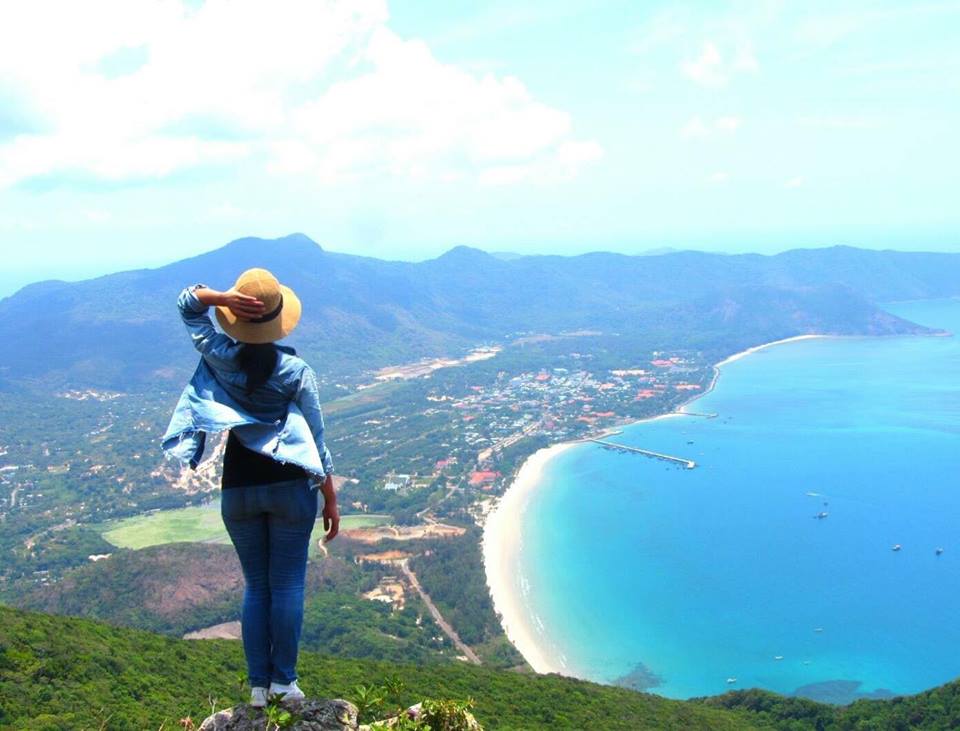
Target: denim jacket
point(281, 419)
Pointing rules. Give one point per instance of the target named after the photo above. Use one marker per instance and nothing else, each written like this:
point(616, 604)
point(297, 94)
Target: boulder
point(309, 715)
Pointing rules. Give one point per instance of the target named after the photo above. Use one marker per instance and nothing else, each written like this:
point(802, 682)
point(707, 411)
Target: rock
point(310, 715)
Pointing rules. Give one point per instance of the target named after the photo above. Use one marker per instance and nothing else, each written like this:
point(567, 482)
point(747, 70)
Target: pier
point(698, 413)
point(688, 463)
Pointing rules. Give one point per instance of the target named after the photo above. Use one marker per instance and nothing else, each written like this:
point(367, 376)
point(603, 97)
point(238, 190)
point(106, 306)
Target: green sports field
point(197, 525)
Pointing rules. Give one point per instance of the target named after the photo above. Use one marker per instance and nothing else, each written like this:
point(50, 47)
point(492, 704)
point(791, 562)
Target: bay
point(693, 582)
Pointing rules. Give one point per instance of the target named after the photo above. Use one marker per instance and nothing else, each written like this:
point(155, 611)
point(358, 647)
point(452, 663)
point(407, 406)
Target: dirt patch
point(404, 532)
point(384, 556)
point(223, 631)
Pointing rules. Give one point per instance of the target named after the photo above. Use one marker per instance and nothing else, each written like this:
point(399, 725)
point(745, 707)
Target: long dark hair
point(257, 361)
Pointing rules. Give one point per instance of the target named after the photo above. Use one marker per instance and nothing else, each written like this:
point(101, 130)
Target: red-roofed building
point(483, 477)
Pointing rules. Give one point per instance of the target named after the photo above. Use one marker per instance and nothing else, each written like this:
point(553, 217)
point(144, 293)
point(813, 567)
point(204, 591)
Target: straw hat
point(281, 309)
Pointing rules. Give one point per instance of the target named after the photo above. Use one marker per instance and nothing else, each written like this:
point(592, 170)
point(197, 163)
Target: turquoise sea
point(678, 580)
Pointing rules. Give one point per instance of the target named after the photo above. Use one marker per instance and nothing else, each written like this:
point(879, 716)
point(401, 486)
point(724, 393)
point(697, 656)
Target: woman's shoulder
point(291, 366)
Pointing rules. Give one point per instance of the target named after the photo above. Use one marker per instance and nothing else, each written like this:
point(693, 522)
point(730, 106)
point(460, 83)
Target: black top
point(243, 467)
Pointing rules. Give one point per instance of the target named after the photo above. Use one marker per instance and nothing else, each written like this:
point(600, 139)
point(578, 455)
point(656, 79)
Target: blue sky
point(137, 132)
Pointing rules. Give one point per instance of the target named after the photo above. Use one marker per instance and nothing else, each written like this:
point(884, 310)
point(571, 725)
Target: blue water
point(697, 576)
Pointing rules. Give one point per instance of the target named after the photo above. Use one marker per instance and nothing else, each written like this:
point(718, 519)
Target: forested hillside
point(59, 673)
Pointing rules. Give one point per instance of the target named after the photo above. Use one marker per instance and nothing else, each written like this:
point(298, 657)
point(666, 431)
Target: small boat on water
point(896, 547)
point(778, 657)
point(821, 516)
point(939, 551)
point(731, 681)
point(818, 629)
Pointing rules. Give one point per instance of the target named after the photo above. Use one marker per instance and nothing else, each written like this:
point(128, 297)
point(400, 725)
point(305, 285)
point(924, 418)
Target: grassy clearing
point(366, 397)
point(193, 524)
point(348, 522)
point(197, 525)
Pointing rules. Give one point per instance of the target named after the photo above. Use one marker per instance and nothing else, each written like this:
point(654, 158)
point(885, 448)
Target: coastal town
point(483, 429)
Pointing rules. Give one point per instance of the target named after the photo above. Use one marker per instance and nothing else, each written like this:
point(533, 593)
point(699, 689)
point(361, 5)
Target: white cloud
point(319, 87)
point(705, 69)
point(840, 122)
point(569, 157)
point(727, 124)
point(695, 128)
point(698, 128)
point(96, 216)
point(714, 70)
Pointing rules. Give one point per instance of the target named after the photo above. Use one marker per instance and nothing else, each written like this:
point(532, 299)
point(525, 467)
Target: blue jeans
point(270, 527)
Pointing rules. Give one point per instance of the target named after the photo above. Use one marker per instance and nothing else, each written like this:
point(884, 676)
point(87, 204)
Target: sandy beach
point(757, 348)
point(502, 540)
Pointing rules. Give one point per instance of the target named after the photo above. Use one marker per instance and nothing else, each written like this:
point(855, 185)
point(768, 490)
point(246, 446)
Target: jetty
point(688, 463)
point(698, 413)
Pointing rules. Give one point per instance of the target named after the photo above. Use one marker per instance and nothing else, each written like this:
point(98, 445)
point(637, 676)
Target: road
point(435, 613)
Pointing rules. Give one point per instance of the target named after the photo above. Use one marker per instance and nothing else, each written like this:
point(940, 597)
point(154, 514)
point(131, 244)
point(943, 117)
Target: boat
point(896, 547)
point(818, 629)
point(778, 657)
point(731, 681)
point(821, 516)
point(939, 551)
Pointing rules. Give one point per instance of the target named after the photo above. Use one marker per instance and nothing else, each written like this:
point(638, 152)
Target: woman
point(274, 460)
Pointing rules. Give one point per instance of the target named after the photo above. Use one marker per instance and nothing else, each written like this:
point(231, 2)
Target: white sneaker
point(290, 692)
point(258, 697)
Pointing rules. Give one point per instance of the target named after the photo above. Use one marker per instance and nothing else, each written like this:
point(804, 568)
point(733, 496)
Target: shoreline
point(503, 540)
point(737, 356)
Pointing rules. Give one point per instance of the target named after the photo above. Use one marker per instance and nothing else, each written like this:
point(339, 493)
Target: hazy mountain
point(121, 330)
point(659, 251)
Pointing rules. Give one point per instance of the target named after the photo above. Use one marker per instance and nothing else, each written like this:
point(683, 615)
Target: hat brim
point(278, 328)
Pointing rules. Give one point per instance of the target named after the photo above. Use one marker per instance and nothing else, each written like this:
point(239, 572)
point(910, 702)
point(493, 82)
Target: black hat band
point(272, 315)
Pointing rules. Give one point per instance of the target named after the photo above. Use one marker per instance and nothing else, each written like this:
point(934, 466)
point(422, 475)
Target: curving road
point(435, 613)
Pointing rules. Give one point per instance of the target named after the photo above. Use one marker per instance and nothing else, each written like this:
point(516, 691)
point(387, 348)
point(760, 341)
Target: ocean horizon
point(772, 563)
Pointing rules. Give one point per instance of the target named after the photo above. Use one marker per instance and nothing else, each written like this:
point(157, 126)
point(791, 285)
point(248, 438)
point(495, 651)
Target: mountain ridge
point(120, 331)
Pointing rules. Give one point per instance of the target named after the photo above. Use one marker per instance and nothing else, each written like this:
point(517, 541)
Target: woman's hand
point(242, 305)
point(331, 520)
point(331, 514)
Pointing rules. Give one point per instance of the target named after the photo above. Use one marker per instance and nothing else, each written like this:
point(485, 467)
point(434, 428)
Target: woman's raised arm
point(193, 303)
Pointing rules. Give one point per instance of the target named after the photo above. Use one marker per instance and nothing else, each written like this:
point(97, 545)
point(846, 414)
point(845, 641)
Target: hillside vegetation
point(61, 673)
